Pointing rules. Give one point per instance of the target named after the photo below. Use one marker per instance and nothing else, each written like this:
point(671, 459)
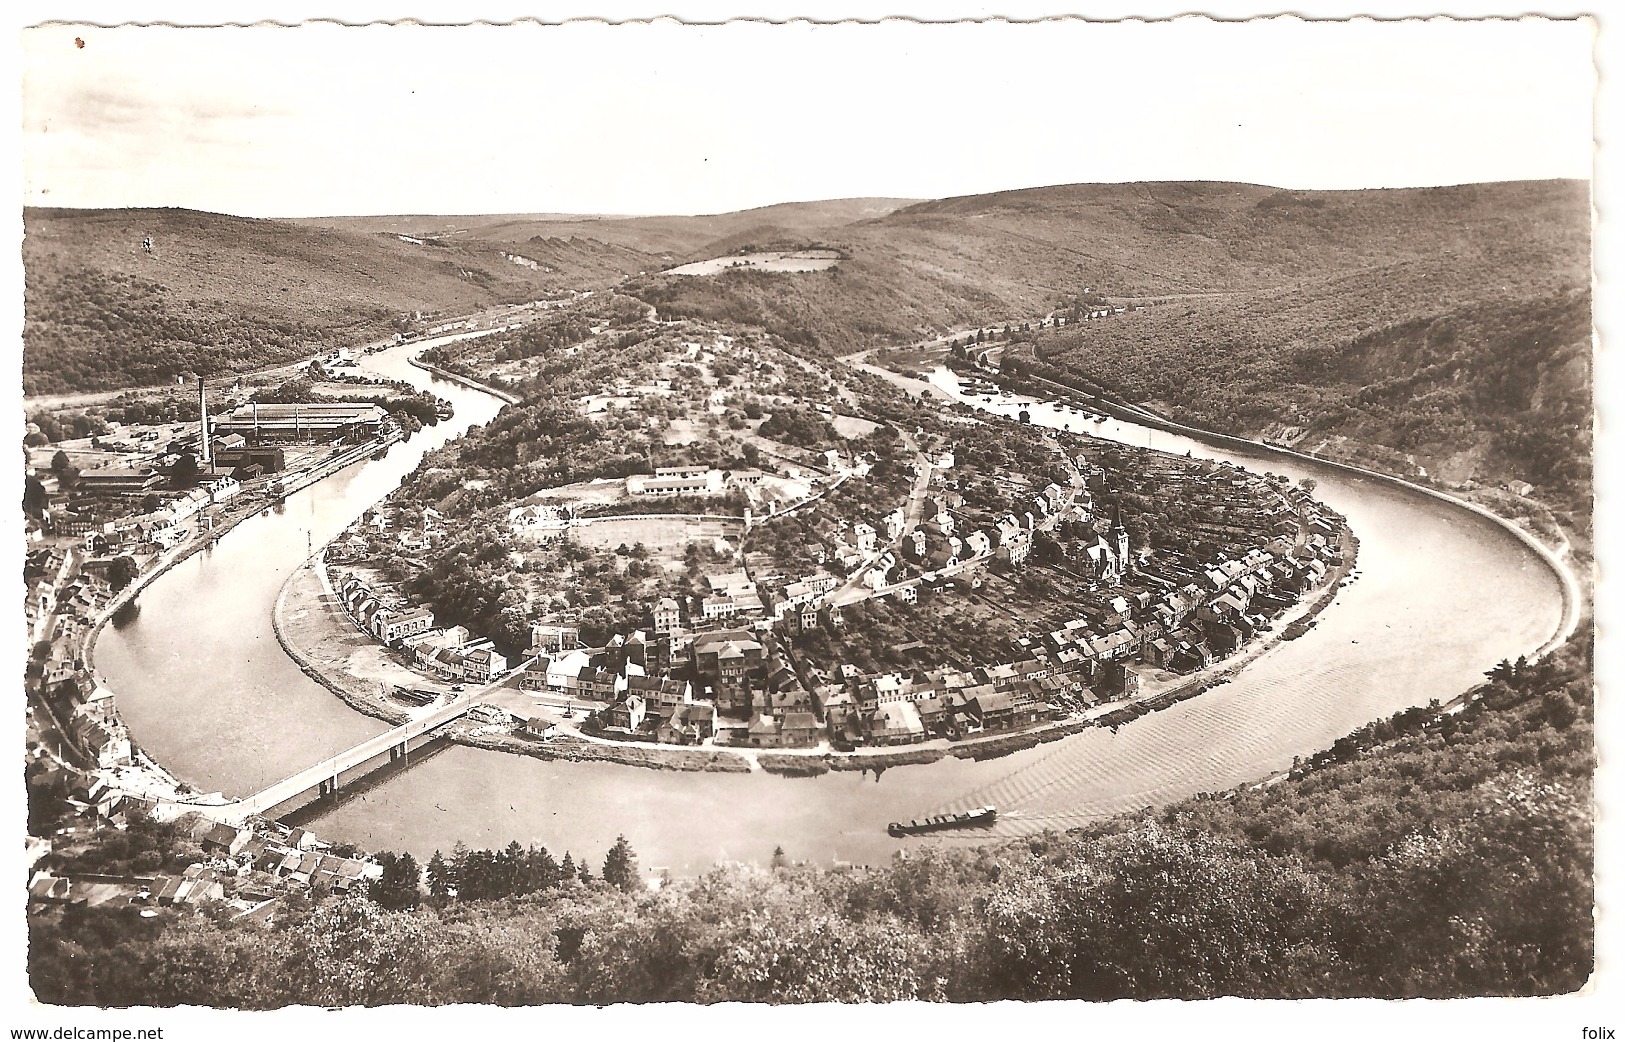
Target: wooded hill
point(220, 293)
point(1447, 324)
point(669, 240)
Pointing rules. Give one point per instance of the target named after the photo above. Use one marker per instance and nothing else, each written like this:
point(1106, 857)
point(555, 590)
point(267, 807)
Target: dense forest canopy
point(220, 294)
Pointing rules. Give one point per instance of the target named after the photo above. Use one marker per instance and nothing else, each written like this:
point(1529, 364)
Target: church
point(1108, 555)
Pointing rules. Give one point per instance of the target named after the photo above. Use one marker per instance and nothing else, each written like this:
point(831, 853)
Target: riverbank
point(323, 641)
point(145, 777)
point(475, 385)
point(317, 634)
point(1296, 700)
point(1575, 599)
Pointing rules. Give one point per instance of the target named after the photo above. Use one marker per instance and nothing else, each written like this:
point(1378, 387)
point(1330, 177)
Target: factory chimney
point(207, 455)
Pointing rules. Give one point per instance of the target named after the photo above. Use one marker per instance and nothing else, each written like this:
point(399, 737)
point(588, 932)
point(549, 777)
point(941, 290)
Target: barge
point(964, 819)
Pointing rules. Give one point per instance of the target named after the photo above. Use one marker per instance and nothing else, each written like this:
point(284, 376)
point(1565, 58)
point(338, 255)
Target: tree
point(780, 860)
point(60, 463)
point(34, 498)
point(621, 866)
point(397, 890)
point(121, 572)
point(441, 877)
point(567, 869)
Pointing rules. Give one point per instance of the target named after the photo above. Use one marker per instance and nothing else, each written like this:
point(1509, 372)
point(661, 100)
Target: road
point(848, 592)
point(310, 777)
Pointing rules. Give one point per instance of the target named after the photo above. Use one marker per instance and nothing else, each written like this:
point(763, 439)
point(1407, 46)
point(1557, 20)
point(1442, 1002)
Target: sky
point(667, 118)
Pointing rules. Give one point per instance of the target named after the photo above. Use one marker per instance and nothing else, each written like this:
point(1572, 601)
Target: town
point(115, 495)
point(798, 574)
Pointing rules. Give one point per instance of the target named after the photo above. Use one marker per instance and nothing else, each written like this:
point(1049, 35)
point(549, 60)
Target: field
point(781, 261)
point(665, 538)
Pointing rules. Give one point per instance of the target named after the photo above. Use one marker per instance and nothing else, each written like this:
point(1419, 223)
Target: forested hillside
point(1447, 325)
point(1416, 376)
point(943, 265)
point(1434, 854)
point(219, 293)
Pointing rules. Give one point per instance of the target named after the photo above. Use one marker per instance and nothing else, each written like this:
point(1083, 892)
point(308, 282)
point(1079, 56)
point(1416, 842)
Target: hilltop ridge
point(218, 292)
point(1437, 329)
point(668, 237)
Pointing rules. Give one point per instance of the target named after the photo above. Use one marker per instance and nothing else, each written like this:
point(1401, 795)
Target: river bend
point(1442, 594)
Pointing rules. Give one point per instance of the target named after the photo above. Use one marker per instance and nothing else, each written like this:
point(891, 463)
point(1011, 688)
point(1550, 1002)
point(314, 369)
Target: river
point(1441, 595)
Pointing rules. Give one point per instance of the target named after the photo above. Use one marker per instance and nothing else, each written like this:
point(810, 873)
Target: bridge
point(326, 777)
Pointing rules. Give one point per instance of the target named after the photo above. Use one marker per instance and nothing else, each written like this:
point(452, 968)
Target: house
point(169, 892)
point(549, 638)
point(534, 678)
point(667, 616)
point(896, 723)
point(718, 607)
point(49, 889)
point(426, 648)
point(662, 695)
point(304, 871)
point(883, 688)
point(799, 729)
point(628, 714)
point(810, 586)
point(934, 712)
point(690, 724)
point(223, 839)
point(199, 884)
point(763, 731)
point(734, 663)
point(564, 672)
point(993, 711)
point(598, 684)
point(484, 663)
point(105, 737)
point(408, 623)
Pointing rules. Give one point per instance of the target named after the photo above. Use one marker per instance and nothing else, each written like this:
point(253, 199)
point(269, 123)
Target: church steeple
point(1120, 536)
